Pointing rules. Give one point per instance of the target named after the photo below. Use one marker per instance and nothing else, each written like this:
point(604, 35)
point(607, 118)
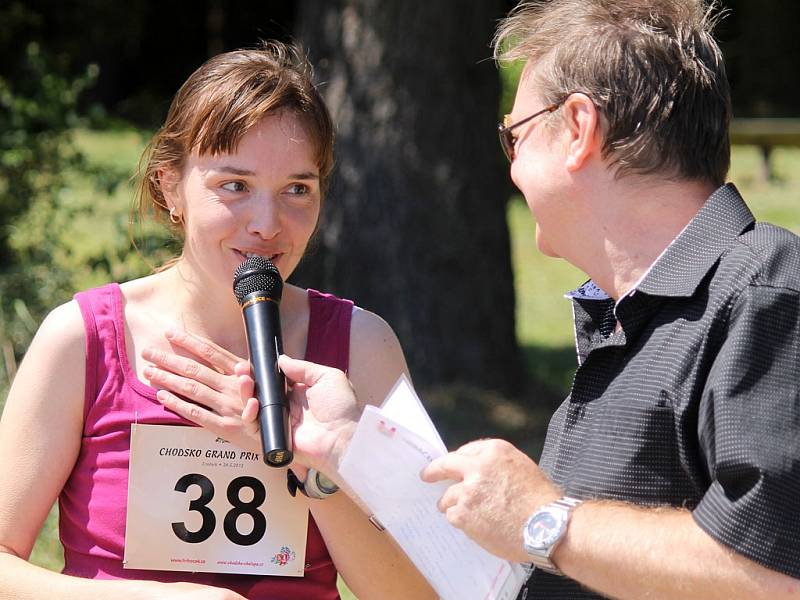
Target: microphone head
point(257, 274)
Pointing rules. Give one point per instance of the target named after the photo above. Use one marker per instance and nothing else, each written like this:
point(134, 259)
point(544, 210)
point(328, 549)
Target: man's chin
point(544, 246)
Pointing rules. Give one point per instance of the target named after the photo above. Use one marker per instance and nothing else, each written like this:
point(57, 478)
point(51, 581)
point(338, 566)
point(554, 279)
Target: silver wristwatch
point(545, 529)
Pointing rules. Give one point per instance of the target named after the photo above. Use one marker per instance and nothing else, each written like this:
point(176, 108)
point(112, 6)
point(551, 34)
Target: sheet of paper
point(403, 406)
point(383, 465)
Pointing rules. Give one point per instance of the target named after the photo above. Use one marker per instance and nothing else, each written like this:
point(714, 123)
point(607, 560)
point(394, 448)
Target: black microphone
point(258, 286)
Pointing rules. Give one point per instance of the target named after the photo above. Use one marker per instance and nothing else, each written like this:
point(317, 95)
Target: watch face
point(544, 528)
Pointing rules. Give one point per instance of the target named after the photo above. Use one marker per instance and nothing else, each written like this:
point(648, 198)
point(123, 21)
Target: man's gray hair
point(652, 68)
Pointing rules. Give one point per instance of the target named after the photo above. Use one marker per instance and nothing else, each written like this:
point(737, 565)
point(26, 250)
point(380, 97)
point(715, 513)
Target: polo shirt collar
point(687, 260)
point(711, 232)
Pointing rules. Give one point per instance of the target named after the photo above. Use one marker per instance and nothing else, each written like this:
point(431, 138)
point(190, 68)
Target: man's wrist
point(340, 446)
point(545, 531)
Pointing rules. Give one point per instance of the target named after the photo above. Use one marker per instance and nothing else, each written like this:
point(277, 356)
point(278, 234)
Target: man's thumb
point(301, 371)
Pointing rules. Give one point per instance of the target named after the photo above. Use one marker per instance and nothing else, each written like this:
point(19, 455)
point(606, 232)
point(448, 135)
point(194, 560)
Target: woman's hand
point(213, 388)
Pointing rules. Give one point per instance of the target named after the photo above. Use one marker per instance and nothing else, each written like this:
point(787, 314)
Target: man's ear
point(583, 125)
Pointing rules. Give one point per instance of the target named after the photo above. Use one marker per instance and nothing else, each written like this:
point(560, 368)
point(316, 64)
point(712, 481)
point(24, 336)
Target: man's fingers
point(450, 466)
point(477, 447)
point(301, 371)
point(449, 498)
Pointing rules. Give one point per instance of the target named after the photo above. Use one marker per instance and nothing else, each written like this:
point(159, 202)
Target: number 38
point(229, 524)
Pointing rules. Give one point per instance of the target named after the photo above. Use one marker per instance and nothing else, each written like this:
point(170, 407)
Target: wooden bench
point(766, 133)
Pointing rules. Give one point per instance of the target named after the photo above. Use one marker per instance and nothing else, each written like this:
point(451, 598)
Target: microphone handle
point(263, 328)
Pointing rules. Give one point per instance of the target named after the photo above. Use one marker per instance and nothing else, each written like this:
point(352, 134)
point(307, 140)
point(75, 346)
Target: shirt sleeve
point(749, 431)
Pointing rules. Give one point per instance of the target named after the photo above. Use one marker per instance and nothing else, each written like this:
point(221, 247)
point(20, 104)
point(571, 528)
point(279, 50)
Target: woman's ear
point(168, 180)
point(585, 135)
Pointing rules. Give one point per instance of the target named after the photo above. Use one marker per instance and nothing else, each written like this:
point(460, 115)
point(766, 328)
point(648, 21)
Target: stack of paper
point(391, 447)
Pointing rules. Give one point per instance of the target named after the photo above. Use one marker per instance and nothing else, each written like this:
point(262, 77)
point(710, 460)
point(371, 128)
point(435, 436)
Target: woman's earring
point(175, 218)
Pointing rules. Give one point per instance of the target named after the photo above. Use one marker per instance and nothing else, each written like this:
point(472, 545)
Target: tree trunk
point(414, 226)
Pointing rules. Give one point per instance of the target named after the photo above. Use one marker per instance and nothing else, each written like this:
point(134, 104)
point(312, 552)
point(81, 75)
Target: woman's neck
point(214, 313)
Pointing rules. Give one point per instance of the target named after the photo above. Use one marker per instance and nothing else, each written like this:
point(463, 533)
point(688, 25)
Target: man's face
point(535, 168)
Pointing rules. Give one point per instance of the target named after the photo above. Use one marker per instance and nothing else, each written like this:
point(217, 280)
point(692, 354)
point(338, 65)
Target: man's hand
point(324, 413)
point(497, 488)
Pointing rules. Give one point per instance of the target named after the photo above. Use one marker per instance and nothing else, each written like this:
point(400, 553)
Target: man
point(677, 450)
point(673, 468)
point(677, 454)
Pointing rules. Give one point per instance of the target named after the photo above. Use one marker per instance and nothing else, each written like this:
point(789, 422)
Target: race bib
point(198, 503)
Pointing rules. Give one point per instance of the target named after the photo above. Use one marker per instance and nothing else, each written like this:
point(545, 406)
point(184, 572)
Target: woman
point(239, 168)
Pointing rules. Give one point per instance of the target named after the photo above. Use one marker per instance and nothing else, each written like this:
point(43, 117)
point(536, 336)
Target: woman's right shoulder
point(62, 331)
point(42, 425)
point(50, 380)
point(63, 326)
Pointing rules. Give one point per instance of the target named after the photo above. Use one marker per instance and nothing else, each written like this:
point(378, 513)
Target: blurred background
point(421, 225)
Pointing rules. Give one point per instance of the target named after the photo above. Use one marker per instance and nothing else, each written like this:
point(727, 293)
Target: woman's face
point(263, 199)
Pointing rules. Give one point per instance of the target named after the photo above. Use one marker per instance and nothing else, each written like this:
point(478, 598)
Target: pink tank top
point(93, 500)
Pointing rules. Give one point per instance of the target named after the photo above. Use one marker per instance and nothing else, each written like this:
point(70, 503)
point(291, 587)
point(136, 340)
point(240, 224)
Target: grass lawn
point(543, 315)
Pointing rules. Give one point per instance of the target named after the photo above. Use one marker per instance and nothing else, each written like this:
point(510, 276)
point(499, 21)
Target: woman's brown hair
point(221, 101)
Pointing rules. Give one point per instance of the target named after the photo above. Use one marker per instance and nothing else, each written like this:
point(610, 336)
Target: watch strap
point(541, 559)
point(317, 485)
point(568, 502)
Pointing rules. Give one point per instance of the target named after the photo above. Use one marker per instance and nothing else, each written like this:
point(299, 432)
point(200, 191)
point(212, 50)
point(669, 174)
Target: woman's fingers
point(246, 383)
point(191, 411)
point(231, 428)
point(215, 356)
point(211, 387)
point(177, 384)
point(185, 367)
point(242, 368)
point(250, 413)
point(226, 402)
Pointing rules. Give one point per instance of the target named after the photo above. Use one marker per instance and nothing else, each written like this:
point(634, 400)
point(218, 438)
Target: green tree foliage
point(62, 226)
point(35, 153)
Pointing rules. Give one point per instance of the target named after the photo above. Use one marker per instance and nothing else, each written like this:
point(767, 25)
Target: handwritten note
point(390, 448)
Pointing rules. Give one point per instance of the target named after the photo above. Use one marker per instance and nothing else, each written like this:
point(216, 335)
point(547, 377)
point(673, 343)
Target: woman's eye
point(299, 189)
point(234, 186)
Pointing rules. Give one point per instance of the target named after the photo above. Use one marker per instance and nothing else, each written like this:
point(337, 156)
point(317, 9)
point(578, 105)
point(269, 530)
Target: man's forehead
point(527, 90)
point(528, 72)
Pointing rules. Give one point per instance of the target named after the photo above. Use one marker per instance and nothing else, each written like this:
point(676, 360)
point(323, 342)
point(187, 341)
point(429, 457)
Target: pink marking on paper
point(386, 430)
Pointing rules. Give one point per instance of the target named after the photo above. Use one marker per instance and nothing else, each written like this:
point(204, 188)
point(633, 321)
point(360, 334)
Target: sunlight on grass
point(47, 552)
point(775, 201)
point(345, 593)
